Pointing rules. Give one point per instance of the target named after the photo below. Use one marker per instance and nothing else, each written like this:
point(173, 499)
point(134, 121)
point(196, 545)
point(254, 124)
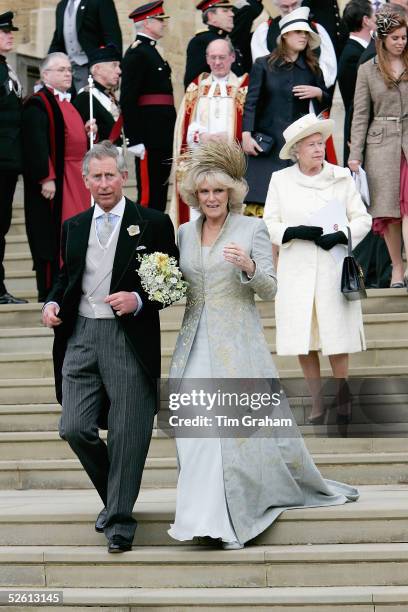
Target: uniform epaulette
point(135, 44)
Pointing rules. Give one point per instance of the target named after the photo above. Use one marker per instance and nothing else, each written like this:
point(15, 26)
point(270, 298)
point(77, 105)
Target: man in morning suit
point(359, 19)
point(10, 142)
point(104, 65)
point(107, 336)
point(147, 105)
point(222, 20)
point(327, 13)
point(81, 27)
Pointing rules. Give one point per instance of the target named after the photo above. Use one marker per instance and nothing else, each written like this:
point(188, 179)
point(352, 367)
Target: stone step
point(382, 302)
point(369, 408)
point(16, 244)
point(289, 599)
point(382, 358)
point(165, 567)
point(21, 282)
point(379, 328)
point(393, 327)
point(18, 262)
point(17, 227)
point(29, 417)
point(66, 518)
point(27, 339)
point(27, 390)
point(47, 445)
point(161, 472)
point(40, 446)
point(21, 316)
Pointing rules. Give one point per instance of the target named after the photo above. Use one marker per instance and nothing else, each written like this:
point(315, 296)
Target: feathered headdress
point(216, 156)
point(387, 22)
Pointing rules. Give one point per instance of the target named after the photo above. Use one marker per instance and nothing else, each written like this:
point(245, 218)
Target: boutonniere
point(133, 230)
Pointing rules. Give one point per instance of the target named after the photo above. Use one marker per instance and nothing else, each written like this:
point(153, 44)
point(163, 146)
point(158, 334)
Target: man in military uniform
point(221, 20)
point(148, 106)
point(105, 69)
point(10, 141)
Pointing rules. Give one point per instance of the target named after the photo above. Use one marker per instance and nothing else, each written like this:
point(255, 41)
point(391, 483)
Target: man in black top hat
point(10, 141)
point(147, 105)
point(81, 26)
point(222, 20)
point(105, 69)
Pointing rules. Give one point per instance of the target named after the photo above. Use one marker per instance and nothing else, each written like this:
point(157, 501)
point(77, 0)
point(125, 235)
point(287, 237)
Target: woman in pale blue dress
point(231, 488)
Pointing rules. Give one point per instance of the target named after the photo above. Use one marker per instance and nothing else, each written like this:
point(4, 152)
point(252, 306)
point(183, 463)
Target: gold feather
point(216, 156)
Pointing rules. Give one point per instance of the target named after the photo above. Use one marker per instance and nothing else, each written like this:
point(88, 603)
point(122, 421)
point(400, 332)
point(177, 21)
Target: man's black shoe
point(101, 521)
point(7, 298)
point(118, 544)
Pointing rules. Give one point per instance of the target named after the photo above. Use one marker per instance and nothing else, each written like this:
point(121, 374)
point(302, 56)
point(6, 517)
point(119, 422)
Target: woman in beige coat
point(379, 136)
point(311, 312)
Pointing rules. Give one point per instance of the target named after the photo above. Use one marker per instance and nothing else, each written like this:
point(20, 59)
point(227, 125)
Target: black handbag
point(264, 141)
point(352, 277)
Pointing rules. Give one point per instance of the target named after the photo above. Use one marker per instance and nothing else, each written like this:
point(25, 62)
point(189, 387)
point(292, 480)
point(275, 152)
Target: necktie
point(105, 229)
point(71, 6)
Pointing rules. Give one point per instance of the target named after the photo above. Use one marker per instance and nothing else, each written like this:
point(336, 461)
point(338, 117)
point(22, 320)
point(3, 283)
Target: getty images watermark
point(225, 408)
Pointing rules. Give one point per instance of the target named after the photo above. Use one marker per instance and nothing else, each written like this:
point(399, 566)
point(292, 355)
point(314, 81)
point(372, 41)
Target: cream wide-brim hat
point(303, 127)
point(299, 20)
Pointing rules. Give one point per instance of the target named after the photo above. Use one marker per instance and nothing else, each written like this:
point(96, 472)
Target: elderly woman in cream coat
point(307, 211)
point(232, 488)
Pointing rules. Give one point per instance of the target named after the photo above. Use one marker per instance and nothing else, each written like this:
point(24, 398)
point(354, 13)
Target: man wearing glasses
point(54, 144)
point(211, 109)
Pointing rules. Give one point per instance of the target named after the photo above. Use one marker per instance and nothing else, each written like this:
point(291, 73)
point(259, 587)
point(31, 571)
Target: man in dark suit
point(107, 335)
point(147, 103)
point(10, 142)
point(359, 19)
point(327, 13)
point(104, 65)
point(81, 27)
point(222, 20)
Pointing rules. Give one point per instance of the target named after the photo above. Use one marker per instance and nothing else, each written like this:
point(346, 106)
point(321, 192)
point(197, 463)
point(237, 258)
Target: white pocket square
point(140, 248)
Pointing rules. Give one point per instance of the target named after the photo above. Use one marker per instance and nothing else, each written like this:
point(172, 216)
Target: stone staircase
point(351, 558)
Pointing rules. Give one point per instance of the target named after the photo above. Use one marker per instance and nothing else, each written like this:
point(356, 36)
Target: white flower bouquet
point(161, 278)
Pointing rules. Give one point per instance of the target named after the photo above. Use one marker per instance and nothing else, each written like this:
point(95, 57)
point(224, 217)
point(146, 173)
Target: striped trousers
point(98, 363)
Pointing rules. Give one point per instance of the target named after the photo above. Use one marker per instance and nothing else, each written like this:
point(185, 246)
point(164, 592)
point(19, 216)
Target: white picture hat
point(299, 20)
point(303, 127)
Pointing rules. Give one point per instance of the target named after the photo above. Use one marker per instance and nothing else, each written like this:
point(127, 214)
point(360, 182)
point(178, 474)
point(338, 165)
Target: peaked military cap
point(152, 10)
point(206, 4)
point(6, 22)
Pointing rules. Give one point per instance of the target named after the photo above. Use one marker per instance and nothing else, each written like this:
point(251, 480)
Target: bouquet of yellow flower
point(161, 278)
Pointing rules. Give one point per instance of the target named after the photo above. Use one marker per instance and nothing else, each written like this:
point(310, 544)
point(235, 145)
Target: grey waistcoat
point(97, 276)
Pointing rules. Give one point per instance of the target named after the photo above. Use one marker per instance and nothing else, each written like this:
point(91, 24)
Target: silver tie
point(105, 229)
point(71, 6)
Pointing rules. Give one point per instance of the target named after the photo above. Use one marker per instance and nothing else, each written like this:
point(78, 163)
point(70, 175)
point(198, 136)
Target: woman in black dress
point(282, 88)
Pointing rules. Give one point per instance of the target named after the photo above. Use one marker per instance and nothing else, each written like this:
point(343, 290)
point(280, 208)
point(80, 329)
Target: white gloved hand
point(138, 150)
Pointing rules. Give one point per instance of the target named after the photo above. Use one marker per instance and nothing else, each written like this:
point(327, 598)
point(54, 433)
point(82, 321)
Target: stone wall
point(35, 19)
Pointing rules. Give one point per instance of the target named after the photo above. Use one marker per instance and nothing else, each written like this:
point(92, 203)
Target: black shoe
point(101, 521)
point(118, 544)
point(7, 298)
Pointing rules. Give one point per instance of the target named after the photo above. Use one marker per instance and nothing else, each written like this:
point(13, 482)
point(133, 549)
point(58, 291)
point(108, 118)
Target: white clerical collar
point(117, 210)
point(60, 94)
point(223, 79)
point(364, 43)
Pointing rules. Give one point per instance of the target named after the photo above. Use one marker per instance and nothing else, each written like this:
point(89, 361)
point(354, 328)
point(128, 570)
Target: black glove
point(302, 232)
point(328, 241)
